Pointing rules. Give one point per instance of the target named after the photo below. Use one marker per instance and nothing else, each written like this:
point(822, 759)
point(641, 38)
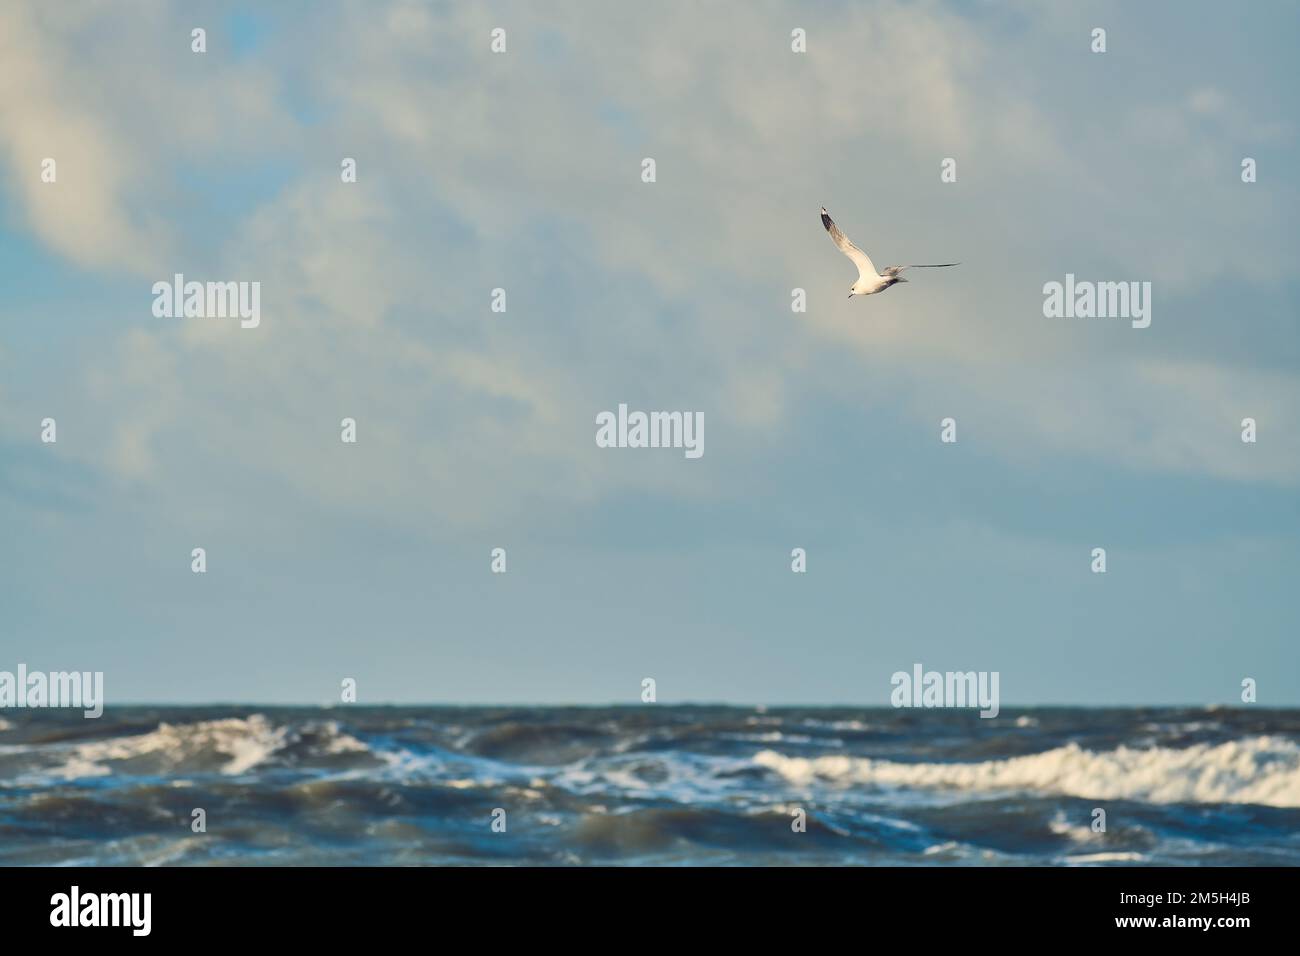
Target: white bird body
point(869, 281)
point(871, 284)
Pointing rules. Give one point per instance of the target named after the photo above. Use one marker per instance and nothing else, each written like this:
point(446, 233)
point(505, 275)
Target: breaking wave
point(1255, 770)
point(229, 746)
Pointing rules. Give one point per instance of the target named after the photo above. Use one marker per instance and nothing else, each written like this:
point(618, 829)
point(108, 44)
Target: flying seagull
point(869, 280)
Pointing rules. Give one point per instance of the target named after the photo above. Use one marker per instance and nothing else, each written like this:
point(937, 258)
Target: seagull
point(869, 280)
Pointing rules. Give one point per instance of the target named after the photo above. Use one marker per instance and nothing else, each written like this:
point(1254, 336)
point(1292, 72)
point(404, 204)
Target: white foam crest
point(245, 742)
point(1257, 770)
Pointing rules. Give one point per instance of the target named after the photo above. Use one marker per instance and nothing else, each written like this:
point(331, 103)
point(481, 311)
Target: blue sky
point(476, 429)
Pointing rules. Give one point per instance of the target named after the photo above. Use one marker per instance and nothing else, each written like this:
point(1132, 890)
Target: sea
point(650, 785)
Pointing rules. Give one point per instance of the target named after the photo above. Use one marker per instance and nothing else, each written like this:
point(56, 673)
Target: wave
point(1255, 770)
point(229, 746)
point(697, 831)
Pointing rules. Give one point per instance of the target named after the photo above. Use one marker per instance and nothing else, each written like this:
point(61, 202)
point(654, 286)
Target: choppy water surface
point(649, 785)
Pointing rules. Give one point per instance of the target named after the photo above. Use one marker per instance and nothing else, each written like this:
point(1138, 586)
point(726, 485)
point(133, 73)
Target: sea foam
point(1256, 770)
point(231, 746)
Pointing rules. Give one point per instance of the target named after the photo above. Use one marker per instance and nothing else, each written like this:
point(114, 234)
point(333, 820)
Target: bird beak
point(850, 295)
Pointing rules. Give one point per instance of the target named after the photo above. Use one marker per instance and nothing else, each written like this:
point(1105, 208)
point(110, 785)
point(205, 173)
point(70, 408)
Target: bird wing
point(895, 270)
point(860, 259)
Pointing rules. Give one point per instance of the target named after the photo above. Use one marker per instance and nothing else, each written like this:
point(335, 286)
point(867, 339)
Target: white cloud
point(522, 171)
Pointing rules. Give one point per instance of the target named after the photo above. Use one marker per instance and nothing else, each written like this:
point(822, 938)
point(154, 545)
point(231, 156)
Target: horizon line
point(688, 703)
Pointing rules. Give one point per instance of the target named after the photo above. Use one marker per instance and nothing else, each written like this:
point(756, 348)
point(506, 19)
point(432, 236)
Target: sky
point(522, 171)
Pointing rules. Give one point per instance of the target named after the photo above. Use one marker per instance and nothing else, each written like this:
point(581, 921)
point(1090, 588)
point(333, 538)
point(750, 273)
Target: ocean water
point(649, 785)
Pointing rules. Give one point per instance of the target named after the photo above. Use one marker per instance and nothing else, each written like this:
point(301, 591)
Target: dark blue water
point(649, 785)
